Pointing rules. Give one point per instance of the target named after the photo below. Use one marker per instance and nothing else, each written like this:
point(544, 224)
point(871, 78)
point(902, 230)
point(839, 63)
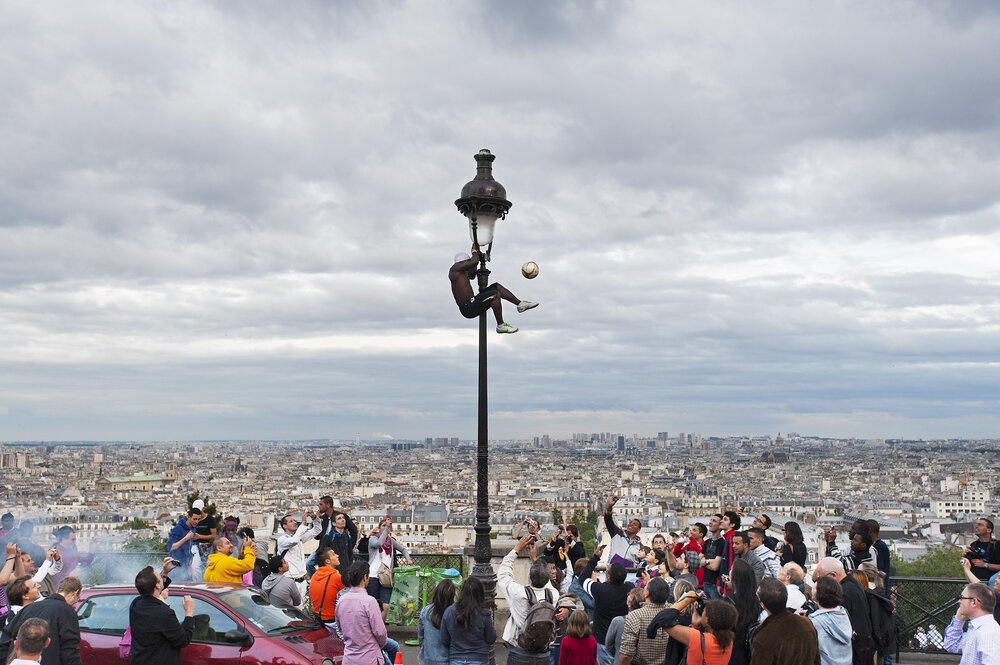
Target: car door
point(208, 645)
point(103, 620)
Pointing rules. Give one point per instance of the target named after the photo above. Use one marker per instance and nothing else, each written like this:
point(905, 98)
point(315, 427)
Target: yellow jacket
point(224, 568)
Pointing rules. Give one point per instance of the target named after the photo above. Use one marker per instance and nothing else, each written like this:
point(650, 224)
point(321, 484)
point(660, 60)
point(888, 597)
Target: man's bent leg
point(390, 650)
point(604, 656)
point(711, 592)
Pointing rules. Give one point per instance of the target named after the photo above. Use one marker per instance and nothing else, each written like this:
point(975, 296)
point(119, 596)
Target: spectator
point(981, 642)
point(564, 545)
point(157, 636)
point(934, 637)
point(325, 585)
point(741, 551)
point(624, 544)
point(73, 560)
point(579, 646)
point(224, 568)
point(206, 532)
point(180, 543)
point(882, 559)
point(613, 638)
point(534, 528)
point(325, 515)
point(359, 620)
point(833, 626)
point(659, 542)
point(984, 552)
point(743, 592)
point(712, 555)
point(576, 588)
point(712, 645)
point(861, 543)
point(12, 568)
point(432, 652)
point(566, 605)
point(467, 627)
point(763, 522)
point(792, 576)
point(290, 544)
point(971, 576)
point(794, 548)
point(24, 539)
point(6, 526)
point(696, 543)
point(730, 524)
point(32, 639)
point(518, 601)
point(783, 638)
point(610, 600)
point(21, 592)
point(382, 550)
point(856, 603)
point(281, 590)
point(635, 647)
point(64, 627)
point(766, 555)
point(677, 652)
point(341, 539)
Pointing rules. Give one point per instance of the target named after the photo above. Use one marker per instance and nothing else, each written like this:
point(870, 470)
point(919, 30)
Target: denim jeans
point(523, 658)
point(604, 656)
point(554, 654)
point(311, 564)
point(712, 592)
point(469, 662)
point(390, 650)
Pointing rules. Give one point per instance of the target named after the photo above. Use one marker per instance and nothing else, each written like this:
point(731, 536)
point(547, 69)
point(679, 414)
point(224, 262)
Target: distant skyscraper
point(454, 441)
point(536, 442)
point(429, 443)
point(546, 441)
point(621, 443)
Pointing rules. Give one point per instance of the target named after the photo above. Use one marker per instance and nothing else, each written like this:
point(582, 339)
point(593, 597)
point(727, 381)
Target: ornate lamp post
point(483, 202)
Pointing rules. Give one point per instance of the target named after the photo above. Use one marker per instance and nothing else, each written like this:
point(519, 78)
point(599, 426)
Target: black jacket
point(157, 637)
point(856, 604)
point(342, 544)
point(609, 599)
point(64, 631)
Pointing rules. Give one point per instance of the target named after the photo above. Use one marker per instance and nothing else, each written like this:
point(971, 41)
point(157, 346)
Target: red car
point(234, 625)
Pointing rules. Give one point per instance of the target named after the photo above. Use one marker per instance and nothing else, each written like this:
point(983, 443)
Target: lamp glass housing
point(485, 223)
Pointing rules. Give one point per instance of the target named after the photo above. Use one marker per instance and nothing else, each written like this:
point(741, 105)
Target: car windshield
point(251, 604)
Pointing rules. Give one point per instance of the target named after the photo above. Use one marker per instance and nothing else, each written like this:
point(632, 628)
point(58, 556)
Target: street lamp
point(483, 202)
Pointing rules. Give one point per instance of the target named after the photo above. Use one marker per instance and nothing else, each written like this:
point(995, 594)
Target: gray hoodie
point(833, 627)
point(281, 590)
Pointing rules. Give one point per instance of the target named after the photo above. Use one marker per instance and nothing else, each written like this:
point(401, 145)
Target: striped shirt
point(979, 645)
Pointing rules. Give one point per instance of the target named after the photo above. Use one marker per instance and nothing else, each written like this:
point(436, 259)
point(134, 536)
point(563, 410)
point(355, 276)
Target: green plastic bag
point(413, 588)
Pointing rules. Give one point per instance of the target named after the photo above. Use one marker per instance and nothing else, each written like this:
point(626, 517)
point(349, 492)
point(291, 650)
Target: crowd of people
point(715, 593)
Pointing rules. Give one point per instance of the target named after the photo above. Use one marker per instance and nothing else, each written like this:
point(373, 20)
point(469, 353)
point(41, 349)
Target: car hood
point(315, 644)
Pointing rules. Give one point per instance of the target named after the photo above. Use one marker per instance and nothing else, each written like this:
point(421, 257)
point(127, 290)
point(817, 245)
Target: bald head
point(830, 567)
point(792, 573)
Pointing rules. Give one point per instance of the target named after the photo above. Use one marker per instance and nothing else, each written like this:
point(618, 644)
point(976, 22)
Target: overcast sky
point(235, 220)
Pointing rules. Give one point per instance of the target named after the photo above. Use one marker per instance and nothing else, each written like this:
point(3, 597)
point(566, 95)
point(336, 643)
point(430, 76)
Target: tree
point(134, 525)
point(194, 496)
point(557, 516)
point(137, 544)
point(940, 561)
point(585, 524)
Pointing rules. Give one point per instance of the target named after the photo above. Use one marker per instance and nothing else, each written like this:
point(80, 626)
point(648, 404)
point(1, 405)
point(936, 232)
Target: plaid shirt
point(643, 650)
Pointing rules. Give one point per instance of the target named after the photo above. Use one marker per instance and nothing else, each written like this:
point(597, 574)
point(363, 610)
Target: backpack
point(539, 623)
point(884, 629)
point(261, 569)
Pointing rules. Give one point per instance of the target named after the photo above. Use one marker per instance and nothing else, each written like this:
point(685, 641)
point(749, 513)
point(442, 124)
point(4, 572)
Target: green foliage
point(937, 562)
point(557, 516)
point(134, 525)
point(194, 496)
point(585, 524)
point(136, 544)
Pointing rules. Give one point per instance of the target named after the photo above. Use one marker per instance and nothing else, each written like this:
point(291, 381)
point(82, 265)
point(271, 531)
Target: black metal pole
point(483, 568)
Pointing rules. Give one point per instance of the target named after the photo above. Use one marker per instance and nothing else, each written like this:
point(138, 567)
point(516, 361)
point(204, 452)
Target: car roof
point(210, 587)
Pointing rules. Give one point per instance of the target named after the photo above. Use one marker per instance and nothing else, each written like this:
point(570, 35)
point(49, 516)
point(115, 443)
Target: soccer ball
point(530, 269)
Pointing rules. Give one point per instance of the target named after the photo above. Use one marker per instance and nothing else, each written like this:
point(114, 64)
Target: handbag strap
point(702, 647)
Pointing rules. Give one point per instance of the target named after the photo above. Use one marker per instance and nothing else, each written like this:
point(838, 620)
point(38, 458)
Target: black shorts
point(480, 303)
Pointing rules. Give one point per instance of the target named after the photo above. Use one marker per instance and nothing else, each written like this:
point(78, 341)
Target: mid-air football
point(530, 269)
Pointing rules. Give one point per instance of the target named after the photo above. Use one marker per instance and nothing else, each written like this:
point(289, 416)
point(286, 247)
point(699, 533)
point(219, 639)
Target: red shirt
point(695, 546)
point(576, 651)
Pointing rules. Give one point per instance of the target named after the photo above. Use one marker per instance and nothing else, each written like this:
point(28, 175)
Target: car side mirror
point(237, 636)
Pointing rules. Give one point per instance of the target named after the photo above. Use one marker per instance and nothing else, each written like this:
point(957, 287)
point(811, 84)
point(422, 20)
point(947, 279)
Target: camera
point(245, 532)
point(700, 602)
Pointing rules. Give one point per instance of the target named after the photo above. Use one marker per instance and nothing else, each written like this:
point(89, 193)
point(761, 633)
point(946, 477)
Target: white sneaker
point(506, 328)
point(525, 305)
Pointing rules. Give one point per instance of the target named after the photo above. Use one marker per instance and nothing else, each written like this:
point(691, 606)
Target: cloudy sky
point(235, 220)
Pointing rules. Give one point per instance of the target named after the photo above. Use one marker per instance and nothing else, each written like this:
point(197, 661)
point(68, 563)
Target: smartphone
point(175, 562)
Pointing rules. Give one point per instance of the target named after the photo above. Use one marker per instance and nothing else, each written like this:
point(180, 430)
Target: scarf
point(387, 545)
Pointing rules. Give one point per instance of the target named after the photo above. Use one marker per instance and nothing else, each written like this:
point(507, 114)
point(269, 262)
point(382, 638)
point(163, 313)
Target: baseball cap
point(693, 560)
point(199, 504)
point(461, 256)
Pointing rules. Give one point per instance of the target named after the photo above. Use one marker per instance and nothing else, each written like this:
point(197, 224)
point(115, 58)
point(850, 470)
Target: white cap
point(461, 256)
point(199, 504)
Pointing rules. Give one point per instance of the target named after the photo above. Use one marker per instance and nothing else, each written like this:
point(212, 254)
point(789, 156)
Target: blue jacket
point(833, 629)
point(182, 553)
point(432, 652)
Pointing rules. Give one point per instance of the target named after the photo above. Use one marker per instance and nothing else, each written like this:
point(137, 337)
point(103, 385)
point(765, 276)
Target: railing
point(922, 602)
